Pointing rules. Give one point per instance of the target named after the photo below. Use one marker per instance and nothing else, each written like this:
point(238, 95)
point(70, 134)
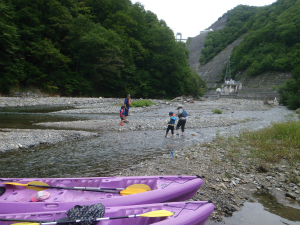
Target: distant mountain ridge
point(262, 57)
point(197, 43)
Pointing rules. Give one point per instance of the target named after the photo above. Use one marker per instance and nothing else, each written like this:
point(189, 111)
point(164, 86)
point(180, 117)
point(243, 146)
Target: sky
point(189, 17)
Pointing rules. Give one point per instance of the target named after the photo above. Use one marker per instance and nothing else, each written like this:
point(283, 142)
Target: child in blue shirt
point(171, 124)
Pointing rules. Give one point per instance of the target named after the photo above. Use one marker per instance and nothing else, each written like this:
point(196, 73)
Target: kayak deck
point(163, 189)
point(20, 194)
point(189, 213)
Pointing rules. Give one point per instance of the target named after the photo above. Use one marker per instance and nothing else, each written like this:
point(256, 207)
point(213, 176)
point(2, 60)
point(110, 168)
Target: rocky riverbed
point(228, 184)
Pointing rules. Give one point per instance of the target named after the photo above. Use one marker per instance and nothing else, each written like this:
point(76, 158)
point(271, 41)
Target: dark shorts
point(122, 117)
point(181, 123)
point(170, 127)
point(126, 112)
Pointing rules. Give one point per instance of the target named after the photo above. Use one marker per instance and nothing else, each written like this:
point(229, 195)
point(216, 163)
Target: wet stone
point(291, 195)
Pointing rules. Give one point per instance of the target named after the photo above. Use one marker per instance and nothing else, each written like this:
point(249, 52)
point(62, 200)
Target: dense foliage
point(290, 91)
point(270, 34)
point(217, 41)
point(92, 47)
point(142, 103)
point(271, 42)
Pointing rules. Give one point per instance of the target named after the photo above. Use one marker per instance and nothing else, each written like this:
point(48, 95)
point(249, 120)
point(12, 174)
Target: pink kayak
point(181, 213)
point(16, 193)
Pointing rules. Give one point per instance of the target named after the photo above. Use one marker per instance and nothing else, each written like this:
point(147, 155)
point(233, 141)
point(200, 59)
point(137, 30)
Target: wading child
point(171, 124)
point(182, 114)
point(122, 115)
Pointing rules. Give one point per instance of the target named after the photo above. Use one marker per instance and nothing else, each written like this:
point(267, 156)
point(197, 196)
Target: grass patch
point(142, 103)
point(274, 88)
point(217, 111)
point(281, 140)
point(246, 120)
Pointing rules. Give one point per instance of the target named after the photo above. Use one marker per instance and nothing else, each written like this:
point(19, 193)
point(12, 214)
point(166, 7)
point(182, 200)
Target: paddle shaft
point(157, 213)
point(75, 188)
point(97, 219)
point(20, 220)
point(39, 186)
point(8, 180)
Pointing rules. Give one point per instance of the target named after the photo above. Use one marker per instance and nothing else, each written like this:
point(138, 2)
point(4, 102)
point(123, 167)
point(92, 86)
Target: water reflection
point(271, 205)
point(26, 121)
point(265, 211)
point(35, 109)
point(255, 214)
point(25, 117)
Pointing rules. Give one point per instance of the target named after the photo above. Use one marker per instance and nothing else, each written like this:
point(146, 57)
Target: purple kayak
point(181, 213)
point(16, 193)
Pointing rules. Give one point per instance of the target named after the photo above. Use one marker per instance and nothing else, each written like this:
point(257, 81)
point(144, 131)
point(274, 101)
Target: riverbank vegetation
point(92, 48)
point(142, 103)
point(217, 111)
point(271, 144)
point(290, 91)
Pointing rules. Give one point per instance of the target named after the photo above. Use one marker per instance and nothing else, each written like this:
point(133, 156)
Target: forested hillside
point(91, 47)
point(271, 42)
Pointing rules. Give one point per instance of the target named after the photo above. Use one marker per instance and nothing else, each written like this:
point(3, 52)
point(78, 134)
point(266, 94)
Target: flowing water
point(99, 157)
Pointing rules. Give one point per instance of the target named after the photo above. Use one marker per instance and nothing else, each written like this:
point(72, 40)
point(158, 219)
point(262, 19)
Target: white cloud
point(191, 16)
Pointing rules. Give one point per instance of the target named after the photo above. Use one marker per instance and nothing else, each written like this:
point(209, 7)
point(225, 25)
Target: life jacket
point(172, 119)
point(129, 102)
point(122, 112)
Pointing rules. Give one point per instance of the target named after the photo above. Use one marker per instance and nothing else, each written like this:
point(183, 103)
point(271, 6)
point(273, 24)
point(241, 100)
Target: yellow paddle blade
point(36, 183)
point(158, 213)
point(30, 183)
point(131, 191)
point(140, 186)
point(17, 184)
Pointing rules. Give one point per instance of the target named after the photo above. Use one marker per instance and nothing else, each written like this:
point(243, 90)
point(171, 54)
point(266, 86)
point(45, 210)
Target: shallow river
point(111, 152)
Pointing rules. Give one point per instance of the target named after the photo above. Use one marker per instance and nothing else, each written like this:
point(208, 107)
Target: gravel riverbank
point(26, 138)
point(228, 184)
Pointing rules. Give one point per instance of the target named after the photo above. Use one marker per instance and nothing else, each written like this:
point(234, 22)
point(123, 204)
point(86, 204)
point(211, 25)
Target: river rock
point(291, 195)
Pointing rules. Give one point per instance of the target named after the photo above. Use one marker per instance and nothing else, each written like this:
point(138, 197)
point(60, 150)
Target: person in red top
point(122, 114)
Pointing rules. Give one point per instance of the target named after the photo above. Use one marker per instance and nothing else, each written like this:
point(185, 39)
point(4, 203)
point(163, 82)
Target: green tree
point(11, 62)
point(91, 47)
point(98, 59)
point(290, 91)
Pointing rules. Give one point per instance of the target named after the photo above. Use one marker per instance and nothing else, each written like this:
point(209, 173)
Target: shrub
point(142, 103)
point(217, 111)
